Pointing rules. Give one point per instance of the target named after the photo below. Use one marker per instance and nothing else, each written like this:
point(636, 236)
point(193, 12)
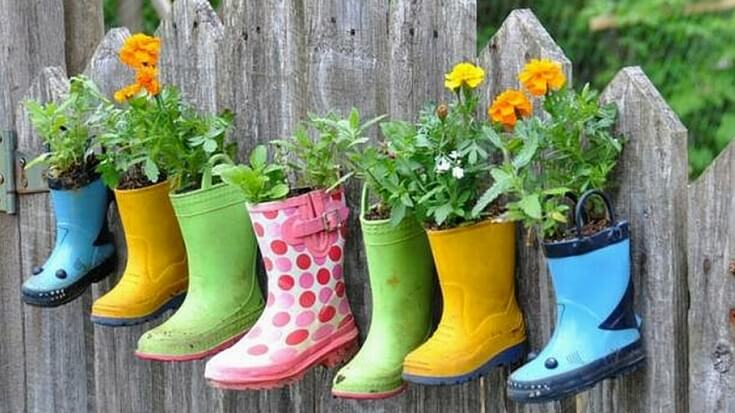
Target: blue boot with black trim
point(83, 252)
point(597, 331)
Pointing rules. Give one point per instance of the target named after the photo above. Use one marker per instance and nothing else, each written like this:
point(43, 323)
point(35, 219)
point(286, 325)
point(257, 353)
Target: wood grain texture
point(85, 27)
point(521, 38)
point(711, 262)
point(56, 344)
point(31, 36)
point(652, 195)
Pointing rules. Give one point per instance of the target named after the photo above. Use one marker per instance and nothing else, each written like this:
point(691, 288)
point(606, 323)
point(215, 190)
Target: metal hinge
point(14, 178)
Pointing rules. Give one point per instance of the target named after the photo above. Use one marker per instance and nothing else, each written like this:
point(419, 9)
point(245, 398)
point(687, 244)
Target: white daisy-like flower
point(443, 164)
point(458, 172)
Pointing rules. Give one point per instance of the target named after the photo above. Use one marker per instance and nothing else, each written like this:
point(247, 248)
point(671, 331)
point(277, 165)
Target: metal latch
point(14, 178)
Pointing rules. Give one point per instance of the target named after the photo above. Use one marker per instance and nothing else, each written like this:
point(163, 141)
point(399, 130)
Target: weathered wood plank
point(711, 281)
point(521, 38)
point(85, 27)
point(31, 36)
point(346, 43)
point(652, 195)
point(122, 382)
point(55, 340)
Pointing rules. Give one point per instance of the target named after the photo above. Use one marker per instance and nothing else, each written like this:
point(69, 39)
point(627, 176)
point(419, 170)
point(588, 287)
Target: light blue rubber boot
point(597, 331)
point(83, 252)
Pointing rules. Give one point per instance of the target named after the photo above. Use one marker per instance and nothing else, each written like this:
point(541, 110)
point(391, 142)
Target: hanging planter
point(223, 299)
point(83, 252)
point(401, 283)
point(307, 320)
point(155, 277)
point(595, 322)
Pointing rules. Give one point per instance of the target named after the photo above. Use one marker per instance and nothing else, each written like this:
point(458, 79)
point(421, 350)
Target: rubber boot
point(596, 334)
point(83, 252)
point(307, 320)
point(401, 280)
point(223, 300)
point(155, 277)
point(481, 325)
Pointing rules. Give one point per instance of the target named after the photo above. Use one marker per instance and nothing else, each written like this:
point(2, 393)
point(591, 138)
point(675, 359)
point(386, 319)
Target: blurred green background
point(686, 47)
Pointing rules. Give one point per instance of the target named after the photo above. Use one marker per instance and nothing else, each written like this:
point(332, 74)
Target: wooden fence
point(272, 61)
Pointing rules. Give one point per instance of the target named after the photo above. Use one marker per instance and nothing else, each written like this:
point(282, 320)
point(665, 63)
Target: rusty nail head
point(732, 316)
point(732, 267)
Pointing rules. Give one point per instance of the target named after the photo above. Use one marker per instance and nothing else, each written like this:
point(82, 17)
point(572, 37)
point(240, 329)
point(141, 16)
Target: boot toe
point(367, 379)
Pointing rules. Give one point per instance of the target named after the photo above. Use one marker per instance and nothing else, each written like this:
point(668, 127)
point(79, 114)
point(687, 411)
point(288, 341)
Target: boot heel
point(340, 355)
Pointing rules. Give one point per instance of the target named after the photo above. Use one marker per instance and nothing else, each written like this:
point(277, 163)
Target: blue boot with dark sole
point(597, 331)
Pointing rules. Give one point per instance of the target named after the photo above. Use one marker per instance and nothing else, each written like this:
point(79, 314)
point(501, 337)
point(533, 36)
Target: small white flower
point(454, 155)
point(457, 172)
point(443, 164)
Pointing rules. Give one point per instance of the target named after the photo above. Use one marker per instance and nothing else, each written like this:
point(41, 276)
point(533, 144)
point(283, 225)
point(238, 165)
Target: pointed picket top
point(520, 38)
point(712, 286)
point(51, 84)
point(652, 196)
point(105, 68)
point(191, 52)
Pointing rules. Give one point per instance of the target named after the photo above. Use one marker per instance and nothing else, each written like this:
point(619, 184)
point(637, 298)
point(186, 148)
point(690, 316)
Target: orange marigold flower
point(542, 75)
point(508, 107)
point(464, 74)
point(127, 92)
point(140, 50)
point(147, 77)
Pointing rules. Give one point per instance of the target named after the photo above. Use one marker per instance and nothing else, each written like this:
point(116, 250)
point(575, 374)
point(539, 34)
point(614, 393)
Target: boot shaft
point(152, 234)
point(82, 210)
point(476, 266)
point(219, 240)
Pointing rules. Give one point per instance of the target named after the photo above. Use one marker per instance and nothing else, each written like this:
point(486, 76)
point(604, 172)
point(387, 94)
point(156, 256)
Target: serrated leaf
point(531, 206)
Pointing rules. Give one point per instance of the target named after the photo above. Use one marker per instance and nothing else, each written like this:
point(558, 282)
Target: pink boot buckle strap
point(328, 221)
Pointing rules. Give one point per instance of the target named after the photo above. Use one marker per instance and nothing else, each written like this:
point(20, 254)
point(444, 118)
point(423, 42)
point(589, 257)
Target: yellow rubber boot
point(481, 325)
point(155, 278)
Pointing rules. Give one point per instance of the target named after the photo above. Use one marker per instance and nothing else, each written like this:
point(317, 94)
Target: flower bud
point(442, 111)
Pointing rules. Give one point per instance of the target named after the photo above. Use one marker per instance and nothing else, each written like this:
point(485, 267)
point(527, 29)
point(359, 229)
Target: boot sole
point(72, 292)
point(369, 396)
point(507, 357)
point(344, 346)
point(171, 304)
point(620, 362)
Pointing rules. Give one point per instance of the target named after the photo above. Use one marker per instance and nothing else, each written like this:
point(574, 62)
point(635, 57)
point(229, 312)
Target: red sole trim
point(370, 396)
point(190, 357)
point(329, 357)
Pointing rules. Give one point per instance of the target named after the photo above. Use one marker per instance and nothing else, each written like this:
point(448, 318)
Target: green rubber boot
point(401, 280)
point(224, 299)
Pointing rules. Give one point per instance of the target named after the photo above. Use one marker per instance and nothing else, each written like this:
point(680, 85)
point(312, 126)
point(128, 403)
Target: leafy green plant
point(67, 127)
point(260, 181)
point(316, 162)
point(546, 159)
point(160, 137)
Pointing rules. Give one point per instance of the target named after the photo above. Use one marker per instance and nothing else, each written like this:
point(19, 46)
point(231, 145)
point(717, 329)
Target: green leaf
point(151, 170)
point(279, 191)
point(209, 146)
point(397, 213)
point(442, 212)
point(259, 156)
point(354, 118)
point(531, 206)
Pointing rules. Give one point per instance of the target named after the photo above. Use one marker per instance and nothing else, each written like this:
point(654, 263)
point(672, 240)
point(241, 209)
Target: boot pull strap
point(213, 161)
point(580, 215)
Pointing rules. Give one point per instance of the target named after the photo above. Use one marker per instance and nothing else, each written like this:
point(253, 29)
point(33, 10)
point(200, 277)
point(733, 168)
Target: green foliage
point(160, 137)
point(316, 163)
point(67, 127)
point(435, 168)
point(260, 181)
point(688, 57)
point(546, 158)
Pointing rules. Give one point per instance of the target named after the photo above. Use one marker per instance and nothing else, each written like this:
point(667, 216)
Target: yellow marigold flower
point(147, 77)
point(140, 50)
point(127, 92)
point(542, 75)
point(464, 74)
point(508, 107)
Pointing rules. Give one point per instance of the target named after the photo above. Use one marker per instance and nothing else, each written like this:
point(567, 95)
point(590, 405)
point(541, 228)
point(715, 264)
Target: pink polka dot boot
point(307, 320)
